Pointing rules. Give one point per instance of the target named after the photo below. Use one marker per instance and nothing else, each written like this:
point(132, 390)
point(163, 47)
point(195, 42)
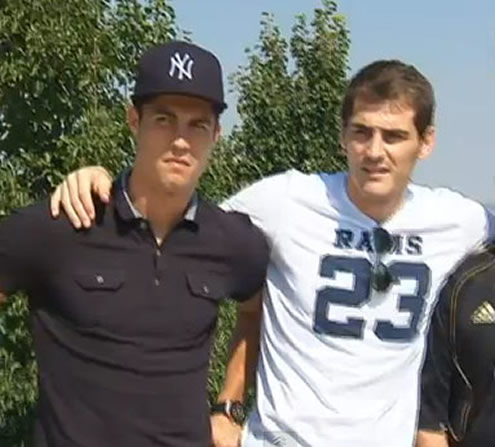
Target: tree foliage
point(289, 97)
point(65, 72)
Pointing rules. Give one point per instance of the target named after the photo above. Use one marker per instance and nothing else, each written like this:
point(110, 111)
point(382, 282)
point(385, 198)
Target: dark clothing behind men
point(122, 327)
point(458, 383)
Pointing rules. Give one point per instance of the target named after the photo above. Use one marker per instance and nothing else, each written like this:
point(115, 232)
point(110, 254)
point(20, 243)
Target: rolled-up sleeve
point(17, 253)
point(251, 261)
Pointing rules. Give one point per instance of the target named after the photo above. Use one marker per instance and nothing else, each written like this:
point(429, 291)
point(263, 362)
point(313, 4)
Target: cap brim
point(220, 106)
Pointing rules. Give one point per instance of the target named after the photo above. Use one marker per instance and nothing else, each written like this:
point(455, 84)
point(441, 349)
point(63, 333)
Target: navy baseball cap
point(180, 68)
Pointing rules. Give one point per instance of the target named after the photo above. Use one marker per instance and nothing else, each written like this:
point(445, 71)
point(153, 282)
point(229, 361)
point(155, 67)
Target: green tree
point(65, 71)
point(289, 98)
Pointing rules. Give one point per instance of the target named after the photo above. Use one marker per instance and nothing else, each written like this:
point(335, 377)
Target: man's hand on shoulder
point(74, 194)
point(224, 432)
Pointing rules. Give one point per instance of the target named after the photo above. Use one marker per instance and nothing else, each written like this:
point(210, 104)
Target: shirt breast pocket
point(100, 280)
point(84, 297)
point(206, 291)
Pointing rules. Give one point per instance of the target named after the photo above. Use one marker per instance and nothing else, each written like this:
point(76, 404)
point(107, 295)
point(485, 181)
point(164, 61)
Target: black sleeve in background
point(438, 367)
point(252, 254)
point(17, 251)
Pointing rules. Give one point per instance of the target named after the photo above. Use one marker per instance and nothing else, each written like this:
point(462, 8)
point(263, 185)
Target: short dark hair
point(392, 80)
point(140, 101)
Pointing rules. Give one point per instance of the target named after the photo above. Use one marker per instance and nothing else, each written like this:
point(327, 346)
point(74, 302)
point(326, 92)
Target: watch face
point(237, 412)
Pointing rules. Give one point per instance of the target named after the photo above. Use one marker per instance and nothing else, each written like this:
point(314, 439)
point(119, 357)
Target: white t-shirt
point(339, 362)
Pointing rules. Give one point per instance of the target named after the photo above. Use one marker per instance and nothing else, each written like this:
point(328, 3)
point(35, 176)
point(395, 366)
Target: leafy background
point(66, 70)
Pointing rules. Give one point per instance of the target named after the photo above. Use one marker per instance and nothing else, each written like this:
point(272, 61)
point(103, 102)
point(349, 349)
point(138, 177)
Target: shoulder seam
point(290, 175)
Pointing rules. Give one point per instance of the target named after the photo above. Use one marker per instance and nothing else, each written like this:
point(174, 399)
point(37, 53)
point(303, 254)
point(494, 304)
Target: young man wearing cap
point(356, 261)
point(122, 315)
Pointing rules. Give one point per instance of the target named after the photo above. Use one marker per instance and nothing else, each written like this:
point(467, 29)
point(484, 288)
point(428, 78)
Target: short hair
point(392, 80)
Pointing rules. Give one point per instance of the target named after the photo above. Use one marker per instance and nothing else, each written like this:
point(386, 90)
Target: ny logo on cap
point(181, 65)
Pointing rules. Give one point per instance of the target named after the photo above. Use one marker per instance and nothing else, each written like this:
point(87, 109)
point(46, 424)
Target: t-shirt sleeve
point(438, 367)
point(251, 257)
point(17, 249)
point(490, 224)
point(479, 223)
point(263, 202)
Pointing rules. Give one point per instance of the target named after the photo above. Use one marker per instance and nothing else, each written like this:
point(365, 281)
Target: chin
point(173, 184)
point(376, 190)
point(171, 181)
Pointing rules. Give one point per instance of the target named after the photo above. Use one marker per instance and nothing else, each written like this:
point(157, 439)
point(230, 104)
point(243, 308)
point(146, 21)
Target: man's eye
point(393, 138)
point(360, 132)
point(201, 126)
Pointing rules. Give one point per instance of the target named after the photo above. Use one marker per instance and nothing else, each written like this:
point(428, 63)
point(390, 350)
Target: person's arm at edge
point(74, 194)
point(240, 370)
point(428, 438)
point(21, 237)
point(436, 375)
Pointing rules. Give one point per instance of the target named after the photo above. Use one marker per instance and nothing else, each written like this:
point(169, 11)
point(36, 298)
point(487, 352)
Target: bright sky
point(451, 41)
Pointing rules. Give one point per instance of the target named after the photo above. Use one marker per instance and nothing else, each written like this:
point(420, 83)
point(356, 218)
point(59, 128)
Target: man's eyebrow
point(360, 126)
point(161, 110)
point(398, 132)
point(202, 120)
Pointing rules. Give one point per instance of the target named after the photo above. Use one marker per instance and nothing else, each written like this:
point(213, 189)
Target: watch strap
point(225, 407)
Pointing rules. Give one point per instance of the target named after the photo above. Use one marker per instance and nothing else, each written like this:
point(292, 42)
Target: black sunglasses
point(381, 277)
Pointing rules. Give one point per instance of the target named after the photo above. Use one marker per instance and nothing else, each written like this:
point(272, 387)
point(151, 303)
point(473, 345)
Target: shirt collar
point(128, 211)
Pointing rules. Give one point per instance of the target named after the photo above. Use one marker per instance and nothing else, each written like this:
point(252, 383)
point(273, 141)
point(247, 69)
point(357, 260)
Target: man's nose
point(180, 143)
point(375, 146)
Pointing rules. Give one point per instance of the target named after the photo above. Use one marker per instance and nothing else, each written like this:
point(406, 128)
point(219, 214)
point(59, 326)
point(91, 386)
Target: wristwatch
point(233, 409)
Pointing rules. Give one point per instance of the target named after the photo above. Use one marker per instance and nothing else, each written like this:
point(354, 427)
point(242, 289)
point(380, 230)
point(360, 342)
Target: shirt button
point(143, 225)
point(99, 279)
point(206, 289)
point(157, 282)
point(158, 253)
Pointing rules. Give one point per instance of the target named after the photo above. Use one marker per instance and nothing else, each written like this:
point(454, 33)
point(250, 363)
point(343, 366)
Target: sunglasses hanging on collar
point(381, 277)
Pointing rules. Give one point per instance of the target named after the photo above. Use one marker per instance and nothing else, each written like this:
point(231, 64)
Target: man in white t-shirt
point(357, 259)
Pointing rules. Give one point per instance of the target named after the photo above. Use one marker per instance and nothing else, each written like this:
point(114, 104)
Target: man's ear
point(133, 119)
point(217, 132)
point(342, 142)
point(427, 144)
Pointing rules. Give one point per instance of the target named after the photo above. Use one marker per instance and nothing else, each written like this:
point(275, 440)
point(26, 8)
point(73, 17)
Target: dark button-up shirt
point(122, 326)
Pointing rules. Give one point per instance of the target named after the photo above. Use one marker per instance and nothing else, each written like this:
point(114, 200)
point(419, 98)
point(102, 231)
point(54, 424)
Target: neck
point(162, 208)
point(379, 209)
